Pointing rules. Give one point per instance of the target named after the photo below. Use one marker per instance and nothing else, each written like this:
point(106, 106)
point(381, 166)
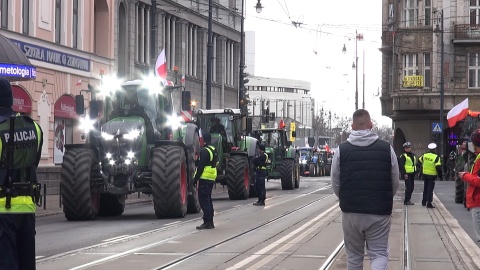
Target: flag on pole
point(360, 37)
point(161, 65)
point(182, 80)
point(457, 113)
point(79, 83)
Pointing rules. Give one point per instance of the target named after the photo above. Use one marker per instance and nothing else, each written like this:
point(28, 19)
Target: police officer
point(260, 174)
point(206, 175)
point(407, 165)
point(20, 150)
point(431, 168)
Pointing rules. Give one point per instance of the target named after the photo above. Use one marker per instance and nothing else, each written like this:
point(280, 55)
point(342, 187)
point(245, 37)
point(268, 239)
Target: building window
point(473, 70)
point(75, 24)
point(411, 13)
point(58, 20)
point(410, 65)
point(428, 12)
point(4, 13)
point(474, 12)
point(25, 16)
point(427, 77)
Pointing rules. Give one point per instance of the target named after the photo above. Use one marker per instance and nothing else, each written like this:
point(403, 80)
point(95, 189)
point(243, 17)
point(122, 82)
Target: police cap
point(407, 145)
point(432, 146)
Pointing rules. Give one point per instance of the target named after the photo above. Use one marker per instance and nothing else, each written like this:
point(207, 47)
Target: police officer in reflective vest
point(206, 175)
point(431, 168)
point(20, 150)
point(408, 168)
point(260, 174)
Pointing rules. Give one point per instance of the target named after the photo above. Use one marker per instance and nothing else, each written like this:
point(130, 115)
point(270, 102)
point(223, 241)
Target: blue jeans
point(205, 198)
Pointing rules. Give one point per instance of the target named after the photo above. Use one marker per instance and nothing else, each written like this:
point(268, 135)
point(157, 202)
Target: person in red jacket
point(473, 180)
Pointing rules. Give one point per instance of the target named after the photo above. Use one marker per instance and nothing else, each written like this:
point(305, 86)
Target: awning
point(65, 107)
point(21, 100)
point(14, 65)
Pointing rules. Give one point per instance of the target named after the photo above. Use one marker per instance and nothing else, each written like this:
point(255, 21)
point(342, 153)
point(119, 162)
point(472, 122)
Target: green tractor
point(135, 142)
point(235, 169)
point(282, 157)
point(325, 159)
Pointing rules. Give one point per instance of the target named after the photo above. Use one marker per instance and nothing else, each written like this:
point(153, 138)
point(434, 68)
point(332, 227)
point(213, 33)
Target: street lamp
point(355, 67)
point(439, 32)
point(258, 6)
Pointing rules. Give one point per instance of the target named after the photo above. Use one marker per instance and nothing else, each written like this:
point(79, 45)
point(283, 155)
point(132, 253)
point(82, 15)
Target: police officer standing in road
point(431, 168)
point(408, 169)
point(260, 174)
point(206, 175)
point(20, 151)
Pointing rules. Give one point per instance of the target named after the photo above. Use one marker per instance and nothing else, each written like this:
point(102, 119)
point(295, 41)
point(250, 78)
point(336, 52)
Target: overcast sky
point(312, 51)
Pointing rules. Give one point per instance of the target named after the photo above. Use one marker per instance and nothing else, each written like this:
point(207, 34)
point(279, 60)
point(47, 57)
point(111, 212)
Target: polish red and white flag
point(79, 83)
point(161, 65)
point(457, 113)
point(182, 80)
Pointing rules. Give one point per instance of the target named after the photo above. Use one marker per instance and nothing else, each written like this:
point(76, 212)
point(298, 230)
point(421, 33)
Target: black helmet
point(475, 138)
point(261, 147)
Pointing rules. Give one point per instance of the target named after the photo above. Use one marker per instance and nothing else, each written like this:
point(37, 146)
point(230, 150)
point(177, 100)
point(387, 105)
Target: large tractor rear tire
point(169, 179)
point(253, 183)
point(111, 205)
point(288, 174)
point(238, 178)
point(192, 143)
point(327, 169)
point(80, 201)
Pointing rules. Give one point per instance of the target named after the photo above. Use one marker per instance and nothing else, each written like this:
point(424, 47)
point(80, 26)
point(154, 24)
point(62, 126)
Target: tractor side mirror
point(186, 100)
point(79, 105)
point(249, 125)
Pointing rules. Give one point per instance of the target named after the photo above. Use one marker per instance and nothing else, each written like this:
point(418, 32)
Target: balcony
point(467, 33)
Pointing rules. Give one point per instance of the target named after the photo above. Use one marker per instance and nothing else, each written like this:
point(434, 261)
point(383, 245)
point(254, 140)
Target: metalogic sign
point(18, 71)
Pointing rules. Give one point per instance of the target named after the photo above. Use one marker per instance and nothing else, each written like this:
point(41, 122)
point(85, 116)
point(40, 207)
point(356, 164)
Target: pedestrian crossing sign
point(437, 128)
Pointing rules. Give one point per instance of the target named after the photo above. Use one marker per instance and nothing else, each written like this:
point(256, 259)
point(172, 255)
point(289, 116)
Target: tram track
point(174, 225)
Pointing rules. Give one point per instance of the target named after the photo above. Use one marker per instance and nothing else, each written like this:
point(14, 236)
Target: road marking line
point(281, 240)
point(115, 238)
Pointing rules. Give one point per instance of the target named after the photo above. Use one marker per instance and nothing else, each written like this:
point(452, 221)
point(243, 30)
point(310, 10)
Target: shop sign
point(53, 56)
point(65, 107)
point(21, 100)
point(18, 71)
point(413, 81)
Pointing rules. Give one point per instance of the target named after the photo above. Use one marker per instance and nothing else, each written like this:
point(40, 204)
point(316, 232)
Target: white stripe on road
point(280, 241)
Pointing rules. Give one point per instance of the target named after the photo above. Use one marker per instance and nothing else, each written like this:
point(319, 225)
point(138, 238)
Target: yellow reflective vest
point(409, 163)
point(27, 141)
point(429, 163)
point(210, 172)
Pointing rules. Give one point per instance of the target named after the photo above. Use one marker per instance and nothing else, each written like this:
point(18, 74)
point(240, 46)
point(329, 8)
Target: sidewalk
point(52, 204)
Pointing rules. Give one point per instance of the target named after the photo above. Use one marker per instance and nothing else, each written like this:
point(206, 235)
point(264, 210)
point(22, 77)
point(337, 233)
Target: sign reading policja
point(17, 71)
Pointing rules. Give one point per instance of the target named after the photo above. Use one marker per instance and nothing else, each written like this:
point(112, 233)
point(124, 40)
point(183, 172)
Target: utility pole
point(241, 87)
point(209, 57)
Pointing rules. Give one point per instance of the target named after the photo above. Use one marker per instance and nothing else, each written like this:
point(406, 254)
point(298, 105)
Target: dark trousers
point(17, 241)
point(260, 185)
point(205, 198)
point(428, 186)
point(409, 185)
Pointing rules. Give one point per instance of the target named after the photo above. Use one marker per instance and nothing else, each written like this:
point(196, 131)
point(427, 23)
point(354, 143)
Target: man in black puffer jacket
point(365, 177)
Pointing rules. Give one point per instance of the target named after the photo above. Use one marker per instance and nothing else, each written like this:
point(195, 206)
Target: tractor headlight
point(132, 135)
point(128, 161)
point(106, 136)
point(303, 161)
point(130, 154)
point(109, 156)
point(86, 124)
point(174, 121)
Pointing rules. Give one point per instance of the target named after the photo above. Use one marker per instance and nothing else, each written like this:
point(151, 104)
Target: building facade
point(284, 99)
point(412, 70)
point(73, 43)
